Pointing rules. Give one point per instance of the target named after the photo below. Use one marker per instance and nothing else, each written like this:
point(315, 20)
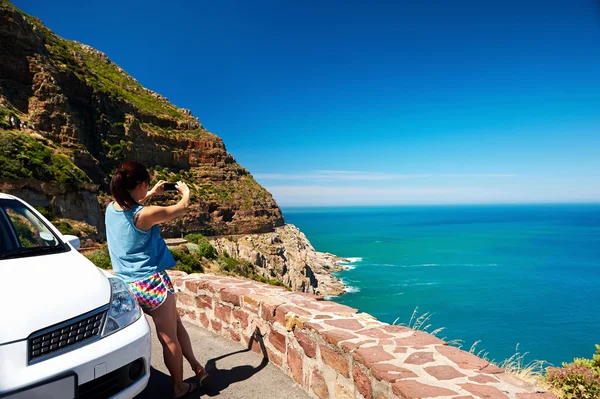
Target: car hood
point(40, 291)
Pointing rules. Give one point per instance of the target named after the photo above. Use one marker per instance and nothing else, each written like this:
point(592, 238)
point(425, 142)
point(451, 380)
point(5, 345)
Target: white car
point(67, 329)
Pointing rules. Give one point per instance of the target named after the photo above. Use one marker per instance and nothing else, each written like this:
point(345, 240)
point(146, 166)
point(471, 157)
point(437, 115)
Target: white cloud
point(353, 175)
point(315, 195)
point(320, 195)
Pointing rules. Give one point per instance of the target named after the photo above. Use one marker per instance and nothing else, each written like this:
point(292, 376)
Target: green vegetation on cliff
point(5, 114)
point(94, 68)
point(108, 78)
point(24, 157)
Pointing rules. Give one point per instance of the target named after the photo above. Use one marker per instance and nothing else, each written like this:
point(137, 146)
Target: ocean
point(503, 275)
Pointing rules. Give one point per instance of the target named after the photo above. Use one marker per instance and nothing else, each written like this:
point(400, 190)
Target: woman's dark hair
point(127, 177)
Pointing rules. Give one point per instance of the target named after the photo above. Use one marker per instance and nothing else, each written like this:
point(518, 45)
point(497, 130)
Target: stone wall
point(334, 351)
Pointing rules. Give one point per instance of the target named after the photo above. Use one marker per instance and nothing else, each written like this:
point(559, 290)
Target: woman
point(140, 256)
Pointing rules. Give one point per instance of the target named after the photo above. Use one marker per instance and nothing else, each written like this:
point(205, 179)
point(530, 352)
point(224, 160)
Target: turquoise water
point(504, 275)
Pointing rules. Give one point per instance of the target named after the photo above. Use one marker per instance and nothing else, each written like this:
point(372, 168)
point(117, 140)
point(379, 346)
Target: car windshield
point(24, 234)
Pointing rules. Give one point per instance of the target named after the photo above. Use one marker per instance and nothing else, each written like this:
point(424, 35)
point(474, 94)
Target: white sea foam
point(349, 261)
point(413, 284)
point(349, 289)
point(450, 265)
point(353, 260)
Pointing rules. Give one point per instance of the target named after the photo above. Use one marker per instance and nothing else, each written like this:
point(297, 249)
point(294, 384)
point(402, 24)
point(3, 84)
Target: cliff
point(69, 116)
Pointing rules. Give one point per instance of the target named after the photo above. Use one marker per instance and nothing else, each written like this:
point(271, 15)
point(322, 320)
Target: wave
point(413, 284)
point(349, 289)
point(448, 264)
point(348, 267)
point(353, 260)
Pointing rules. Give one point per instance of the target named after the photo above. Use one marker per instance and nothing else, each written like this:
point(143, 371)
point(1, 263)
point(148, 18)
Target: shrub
point(270, 281)
point(577, 380)
point(46, 212)
point(592, 364)
point(205, 249)
point(187, 262)
point(245, 269)
point(66, 228)
point(195, 238)
point(100, 258)
point(235, 266)
point(574, 382)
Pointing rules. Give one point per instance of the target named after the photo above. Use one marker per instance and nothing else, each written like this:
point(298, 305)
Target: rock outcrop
point(287, 255)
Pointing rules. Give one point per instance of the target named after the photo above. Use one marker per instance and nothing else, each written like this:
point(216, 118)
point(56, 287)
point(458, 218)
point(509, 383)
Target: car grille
point(65, 336)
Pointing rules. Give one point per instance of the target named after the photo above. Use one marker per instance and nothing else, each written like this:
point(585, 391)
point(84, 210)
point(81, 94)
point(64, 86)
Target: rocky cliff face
point(82, 108)
point(287, 255)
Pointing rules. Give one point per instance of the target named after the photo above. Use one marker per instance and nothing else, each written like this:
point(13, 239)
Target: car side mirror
point(73, 240)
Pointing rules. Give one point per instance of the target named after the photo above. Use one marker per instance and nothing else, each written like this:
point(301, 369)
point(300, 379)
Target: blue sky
point(367, 102)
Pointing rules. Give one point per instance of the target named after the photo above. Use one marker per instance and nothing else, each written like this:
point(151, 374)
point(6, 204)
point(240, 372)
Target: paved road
point(236, 373)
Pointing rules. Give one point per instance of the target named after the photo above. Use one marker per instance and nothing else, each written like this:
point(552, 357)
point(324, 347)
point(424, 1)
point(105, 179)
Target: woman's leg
point(186, 347)
point(165, 319)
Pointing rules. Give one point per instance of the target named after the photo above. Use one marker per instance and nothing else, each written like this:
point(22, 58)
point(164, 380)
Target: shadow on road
point(221, 379)
point(160, 385)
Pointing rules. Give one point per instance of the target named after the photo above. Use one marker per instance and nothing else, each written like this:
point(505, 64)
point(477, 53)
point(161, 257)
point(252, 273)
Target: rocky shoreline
point(286, 255)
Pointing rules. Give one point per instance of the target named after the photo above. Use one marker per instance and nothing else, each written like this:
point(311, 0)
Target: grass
point(531, 372)
point(422, 323)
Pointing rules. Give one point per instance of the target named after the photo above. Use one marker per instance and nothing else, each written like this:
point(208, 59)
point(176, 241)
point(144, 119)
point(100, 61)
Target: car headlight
point(123, 308)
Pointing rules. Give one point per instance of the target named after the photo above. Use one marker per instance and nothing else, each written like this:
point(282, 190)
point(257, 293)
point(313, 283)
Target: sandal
point(202, 378)
point(203, 375)
point(191, 389)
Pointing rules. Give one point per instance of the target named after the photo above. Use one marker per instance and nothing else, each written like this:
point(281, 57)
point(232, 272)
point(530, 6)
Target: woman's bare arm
point(151, 215)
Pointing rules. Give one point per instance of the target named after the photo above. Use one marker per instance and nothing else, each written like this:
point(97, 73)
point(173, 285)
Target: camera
point(170, 187)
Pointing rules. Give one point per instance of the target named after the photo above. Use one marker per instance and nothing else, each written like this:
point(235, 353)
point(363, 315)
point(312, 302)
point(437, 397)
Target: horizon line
point(444, 204)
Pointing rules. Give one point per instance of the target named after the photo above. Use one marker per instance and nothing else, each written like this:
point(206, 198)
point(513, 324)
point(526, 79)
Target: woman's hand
point(182, 188)
point(158, 188)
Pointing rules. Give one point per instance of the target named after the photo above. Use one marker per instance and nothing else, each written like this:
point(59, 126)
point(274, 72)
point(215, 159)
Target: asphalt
point(235, 372)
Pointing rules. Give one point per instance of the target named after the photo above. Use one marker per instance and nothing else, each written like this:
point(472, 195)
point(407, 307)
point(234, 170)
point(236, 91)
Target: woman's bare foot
point(183, 389)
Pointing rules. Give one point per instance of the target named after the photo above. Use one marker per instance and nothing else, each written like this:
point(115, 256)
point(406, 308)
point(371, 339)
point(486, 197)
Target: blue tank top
point(135, 254)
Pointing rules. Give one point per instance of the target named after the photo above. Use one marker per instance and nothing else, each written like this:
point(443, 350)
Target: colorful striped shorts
point(152, 291)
